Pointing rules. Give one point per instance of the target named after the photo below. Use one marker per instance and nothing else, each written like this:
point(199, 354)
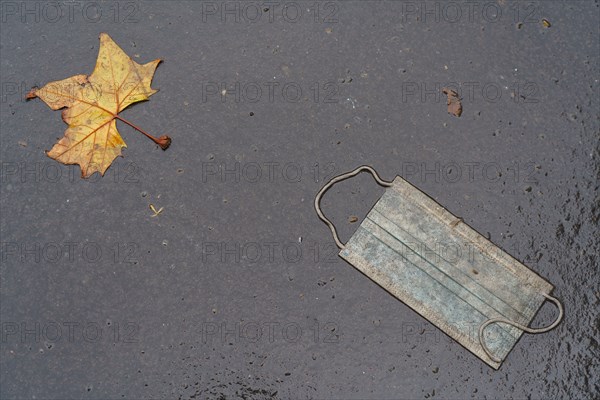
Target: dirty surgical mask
point(444, 270)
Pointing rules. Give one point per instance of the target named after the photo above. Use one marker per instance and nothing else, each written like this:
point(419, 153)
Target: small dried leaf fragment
point(453, 102)
point(92, 104)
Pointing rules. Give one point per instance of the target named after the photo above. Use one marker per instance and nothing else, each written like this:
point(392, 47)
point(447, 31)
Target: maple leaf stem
point(164, 141)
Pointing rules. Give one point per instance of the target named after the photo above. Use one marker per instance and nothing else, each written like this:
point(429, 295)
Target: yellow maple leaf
point(92, 107)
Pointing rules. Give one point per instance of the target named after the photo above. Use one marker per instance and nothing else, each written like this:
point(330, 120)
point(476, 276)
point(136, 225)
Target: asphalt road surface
point(235, 289)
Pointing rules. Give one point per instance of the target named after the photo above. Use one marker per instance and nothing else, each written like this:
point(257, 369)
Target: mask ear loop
point(336, 180)
point(519, 326)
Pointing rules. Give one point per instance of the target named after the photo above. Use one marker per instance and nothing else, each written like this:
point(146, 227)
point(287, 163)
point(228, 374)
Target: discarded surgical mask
point(443, 269)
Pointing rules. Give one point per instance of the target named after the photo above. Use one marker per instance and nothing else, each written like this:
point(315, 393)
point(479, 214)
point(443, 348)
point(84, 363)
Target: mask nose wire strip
point(521, 327)
point(336, 180)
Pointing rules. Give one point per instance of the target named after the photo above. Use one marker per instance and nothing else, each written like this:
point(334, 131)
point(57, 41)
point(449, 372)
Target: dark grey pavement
point(235, 289)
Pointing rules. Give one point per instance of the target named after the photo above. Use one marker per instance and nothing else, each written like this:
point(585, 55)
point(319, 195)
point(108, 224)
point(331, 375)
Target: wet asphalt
point(235, 290)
